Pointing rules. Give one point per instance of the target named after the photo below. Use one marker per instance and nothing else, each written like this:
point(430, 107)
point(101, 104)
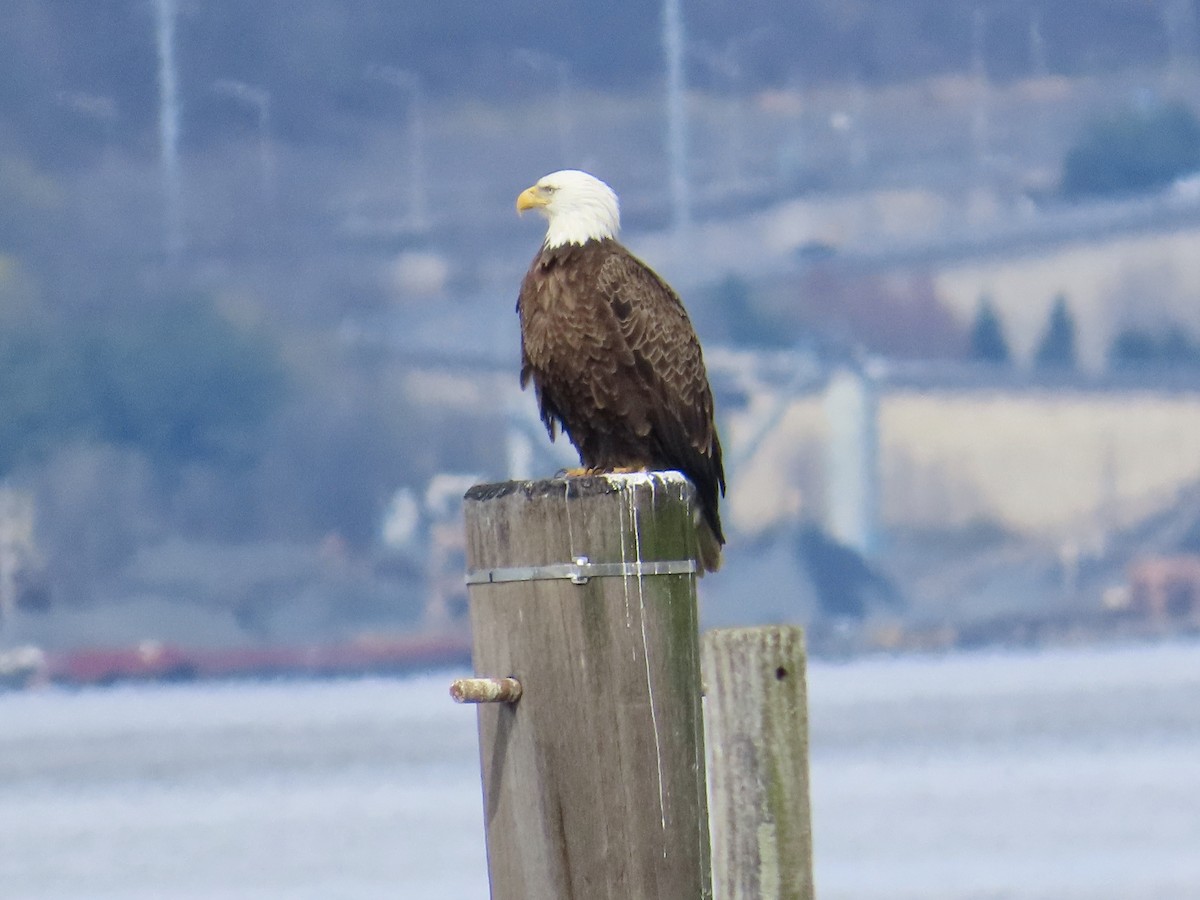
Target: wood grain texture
point(594, 783)
point(756, 722)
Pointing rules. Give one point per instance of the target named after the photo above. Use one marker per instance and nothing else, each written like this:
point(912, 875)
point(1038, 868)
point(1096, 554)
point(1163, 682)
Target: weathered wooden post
point(583, 591)
point(756, 718)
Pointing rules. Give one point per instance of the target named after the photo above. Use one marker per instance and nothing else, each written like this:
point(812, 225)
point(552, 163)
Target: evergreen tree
point(1134, 348)
point(988, 343)
point(1056, 350)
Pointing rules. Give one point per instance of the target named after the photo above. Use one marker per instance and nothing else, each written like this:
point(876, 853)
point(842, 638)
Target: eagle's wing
point(564, 345)
point(665, 352)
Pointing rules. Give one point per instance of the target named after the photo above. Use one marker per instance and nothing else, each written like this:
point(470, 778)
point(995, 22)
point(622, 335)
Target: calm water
point(1064, 774)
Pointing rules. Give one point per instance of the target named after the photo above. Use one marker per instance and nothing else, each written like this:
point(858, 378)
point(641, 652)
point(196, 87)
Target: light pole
point(674, 44)
point(168, 126)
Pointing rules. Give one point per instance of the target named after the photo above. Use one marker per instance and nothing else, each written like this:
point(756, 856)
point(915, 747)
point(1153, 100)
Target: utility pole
point(168, 127)
point(674, 44)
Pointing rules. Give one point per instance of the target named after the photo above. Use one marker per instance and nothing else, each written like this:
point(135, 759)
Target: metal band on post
point(581, 570)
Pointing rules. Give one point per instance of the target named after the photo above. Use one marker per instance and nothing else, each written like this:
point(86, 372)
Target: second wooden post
point(757, 725)
point(583, 590)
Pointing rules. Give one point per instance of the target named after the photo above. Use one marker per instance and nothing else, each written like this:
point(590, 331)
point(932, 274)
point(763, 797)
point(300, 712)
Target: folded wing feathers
point(657, 332)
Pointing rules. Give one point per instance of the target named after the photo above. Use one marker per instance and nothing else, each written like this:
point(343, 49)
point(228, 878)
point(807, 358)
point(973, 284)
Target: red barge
point(158, 661)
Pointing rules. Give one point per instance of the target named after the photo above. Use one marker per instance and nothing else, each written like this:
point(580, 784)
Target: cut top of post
point(576, 487)
point(578, 528)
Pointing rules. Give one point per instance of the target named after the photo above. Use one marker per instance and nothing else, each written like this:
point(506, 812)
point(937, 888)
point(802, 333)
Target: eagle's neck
point(580, 225)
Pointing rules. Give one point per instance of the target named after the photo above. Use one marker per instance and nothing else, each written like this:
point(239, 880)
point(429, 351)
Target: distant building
point(1062, 458)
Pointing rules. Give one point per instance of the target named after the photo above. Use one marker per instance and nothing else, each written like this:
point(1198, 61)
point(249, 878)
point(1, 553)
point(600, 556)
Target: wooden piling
point(756, 723)
point(594, 782)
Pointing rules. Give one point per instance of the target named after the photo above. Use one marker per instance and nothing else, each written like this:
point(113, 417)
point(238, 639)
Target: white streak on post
point(637, 544)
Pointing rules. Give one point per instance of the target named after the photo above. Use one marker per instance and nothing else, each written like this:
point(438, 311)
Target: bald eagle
point(610, 350)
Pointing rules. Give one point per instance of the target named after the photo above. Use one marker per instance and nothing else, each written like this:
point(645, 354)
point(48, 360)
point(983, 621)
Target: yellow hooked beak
point(530, 198)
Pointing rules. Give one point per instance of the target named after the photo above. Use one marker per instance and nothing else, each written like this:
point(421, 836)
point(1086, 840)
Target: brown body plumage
point(616, 364)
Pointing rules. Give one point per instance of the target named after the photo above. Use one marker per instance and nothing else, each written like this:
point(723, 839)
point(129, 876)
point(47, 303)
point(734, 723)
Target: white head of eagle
point(579, 207)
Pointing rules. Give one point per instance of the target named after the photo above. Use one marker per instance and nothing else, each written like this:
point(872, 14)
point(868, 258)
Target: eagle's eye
point(548, 189)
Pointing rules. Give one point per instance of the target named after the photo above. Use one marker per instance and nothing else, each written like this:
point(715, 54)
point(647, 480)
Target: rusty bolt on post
point(486, 690)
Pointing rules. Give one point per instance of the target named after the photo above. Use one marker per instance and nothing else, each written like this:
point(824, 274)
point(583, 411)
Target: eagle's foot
point(585, 472)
